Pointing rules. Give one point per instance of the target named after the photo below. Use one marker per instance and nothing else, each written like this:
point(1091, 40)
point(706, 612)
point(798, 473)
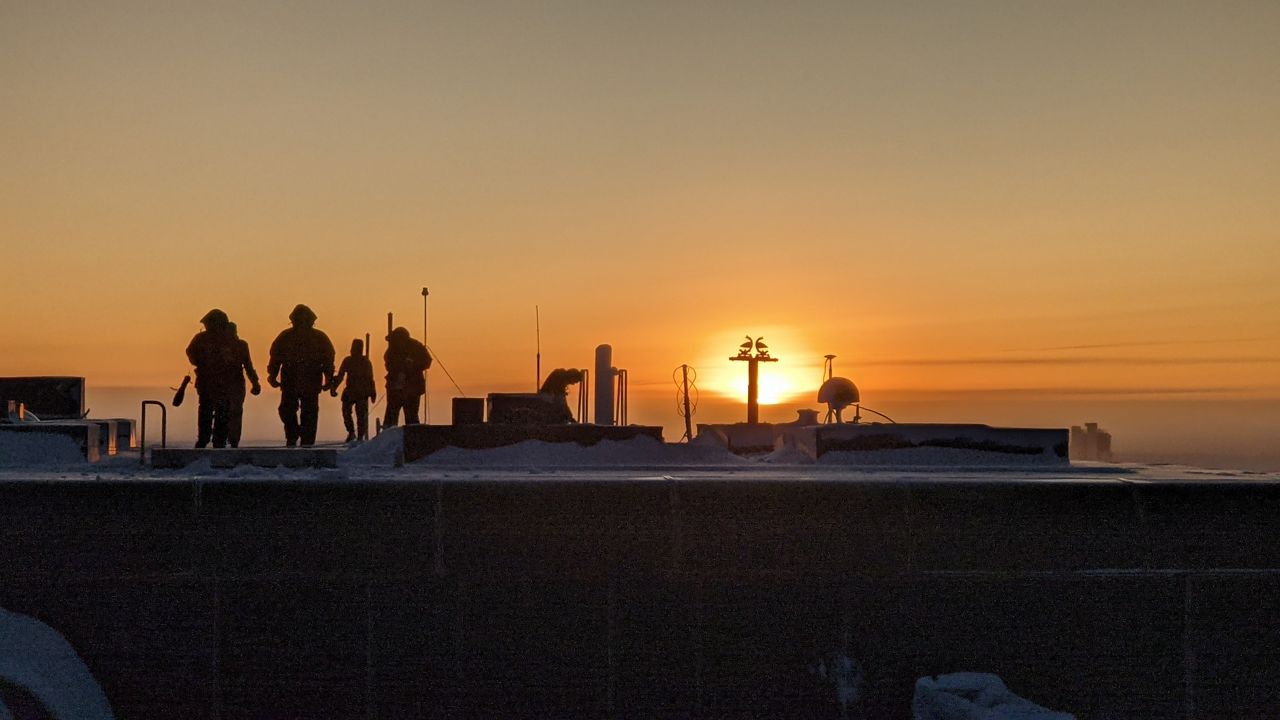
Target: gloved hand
point(256, 389)
point(333, 391)
point(273, 382)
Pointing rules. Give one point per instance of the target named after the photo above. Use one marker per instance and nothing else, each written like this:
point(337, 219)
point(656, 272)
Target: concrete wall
point(538, 597)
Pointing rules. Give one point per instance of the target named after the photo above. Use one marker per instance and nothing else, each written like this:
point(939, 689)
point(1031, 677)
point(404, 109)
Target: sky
point(1008, 212)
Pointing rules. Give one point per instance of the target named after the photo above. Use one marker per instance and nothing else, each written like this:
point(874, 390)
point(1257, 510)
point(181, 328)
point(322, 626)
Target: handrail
point(164, 429)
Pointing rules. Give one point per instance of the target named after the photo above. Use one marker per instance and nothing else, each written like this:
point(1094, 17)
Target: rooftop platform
point(264, 457)
point(423, 440)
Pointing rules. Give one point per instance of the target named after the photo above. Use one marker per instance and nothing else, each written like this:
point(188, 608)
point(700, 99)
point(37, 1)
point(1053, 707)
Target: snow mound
point(974, 696)
point(38, 450)
point(788, 455)
point(36, 657)
point(939, 456)
point(639, 451)
point(383, 450)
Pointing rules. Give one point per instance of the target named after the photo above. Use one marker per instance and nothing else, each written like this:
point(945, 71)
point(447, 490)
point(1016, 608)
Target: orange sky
point(1029, 200)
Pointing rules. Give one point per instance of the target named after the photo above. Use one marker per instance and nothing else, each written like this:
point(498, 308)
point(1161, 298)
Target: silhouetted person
point(214, 353)
point(555, 389)
point(406, 360)
point(358, 393)
point(244, 367)
point(302, 358)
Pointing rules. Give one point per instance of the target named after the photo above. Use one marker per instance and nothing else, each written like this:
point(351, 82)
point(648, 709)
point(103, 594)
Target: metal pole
point(688, 421)
point(426, 396)
point(537, 371)
point(753, 392)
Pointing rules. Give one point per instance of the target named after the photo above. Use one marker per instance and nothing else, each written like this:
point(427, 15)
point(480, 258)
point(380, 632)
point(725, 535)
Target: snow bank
point(788, 455)
point(974, 696)
point(641, 451)
point(38, 450)
point(36, 657)
point(383, 450)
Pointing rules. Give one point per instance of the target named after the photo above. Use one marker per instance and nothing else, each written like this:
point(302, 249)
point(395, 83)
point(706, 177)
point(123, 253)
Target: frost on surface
point(974, 696)
point(38, 450)
point(639, 451)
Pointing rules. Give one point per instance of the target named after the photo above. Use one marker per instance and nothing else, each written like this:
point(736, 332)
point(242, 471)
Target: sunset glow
point(1014, 200)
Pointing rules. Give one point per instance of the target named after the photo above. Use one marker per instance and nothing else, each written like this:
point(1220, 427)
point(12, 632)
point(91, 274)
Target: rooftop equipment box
point(468, 411)
point(48, 398)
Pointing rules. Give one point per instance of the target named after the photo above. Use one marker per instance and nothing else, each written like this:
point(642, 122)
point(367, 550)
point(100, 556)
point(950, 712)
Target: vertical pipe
point(604, 385)
point(621, 418)
point(753, 392)
point(537, 364)
point(617, 397)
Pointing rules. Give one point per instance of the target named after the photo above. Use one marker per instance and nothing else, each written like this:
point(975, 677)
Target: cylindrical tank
point(604, 385)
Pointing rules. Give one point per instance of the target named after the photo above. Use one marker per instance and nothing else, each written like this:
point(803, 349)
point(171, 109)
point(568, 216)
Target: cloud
point(1140, 343)
point(1077, 360)
point(1077, 391)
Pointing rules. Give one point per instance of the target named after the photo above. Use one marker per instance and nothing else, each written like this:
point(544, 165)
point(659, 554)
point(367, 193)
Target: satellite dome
point(838, 393)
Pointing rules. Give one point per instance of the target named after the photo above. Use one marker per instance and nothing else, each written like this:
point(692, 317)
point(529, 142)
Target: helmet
point(302, 315)
point(215, 318)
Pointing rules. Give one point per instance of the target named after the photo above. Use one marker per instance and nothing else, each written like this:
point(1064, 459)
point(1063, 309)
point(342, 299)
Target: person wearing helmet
point(301, 365)
point(555, 390)
point(244, 367)
point(358, 393)
point(213, 353)
point(406, 360)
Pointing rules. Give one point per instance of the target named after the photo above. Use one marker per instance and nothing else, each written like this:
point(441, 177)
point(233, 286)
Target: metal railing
point(164, 429)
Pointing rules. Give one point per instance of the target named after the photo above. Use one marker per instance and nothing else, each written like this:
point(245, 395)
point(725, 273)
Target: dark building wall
point(537, 597)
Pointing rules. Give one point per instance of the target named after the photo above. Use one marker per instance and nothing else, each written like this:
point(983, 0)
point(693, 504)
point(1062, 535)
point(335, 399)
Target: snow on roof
point(33, 449)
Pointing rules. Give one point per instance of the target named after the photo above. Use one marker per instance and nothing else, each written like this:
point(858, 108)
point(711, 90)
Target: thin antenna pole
point(537, 371)
point(366, 345)
point(426, 374)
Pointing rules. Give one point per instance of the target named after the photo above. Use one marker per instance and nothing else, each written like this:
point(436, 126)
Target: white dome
point(838, 393)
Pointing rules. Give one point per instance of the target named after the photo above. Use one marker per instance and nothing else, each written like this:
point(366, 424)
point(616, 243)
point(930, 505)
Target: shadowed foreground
point(604, 595)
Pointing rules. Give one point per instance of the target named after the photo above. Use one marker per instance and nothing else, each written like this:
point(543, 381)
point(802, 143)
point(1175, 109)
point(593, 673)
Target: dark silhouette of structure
point(244, 368)
point(406, 361)
point(753, 373)
point(1090, 443)
point(359, 392)
point(301, 366)
point(215, 353)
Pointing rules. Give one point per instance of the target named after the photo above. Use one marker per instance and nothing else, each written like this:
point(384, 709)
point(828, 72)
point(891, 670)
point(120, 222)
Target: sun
point(776, 384)
point(796, 375)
